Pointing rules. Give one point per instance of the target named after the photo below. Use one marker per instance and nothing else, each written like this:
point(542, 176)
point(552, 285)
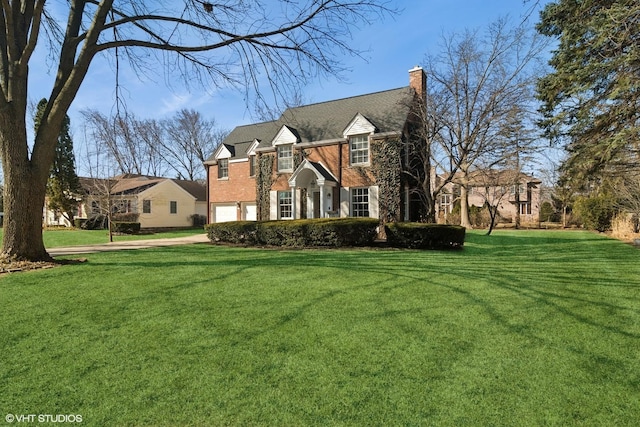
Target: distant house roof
point(134, 184)
point(492, 177)
point(386, 110)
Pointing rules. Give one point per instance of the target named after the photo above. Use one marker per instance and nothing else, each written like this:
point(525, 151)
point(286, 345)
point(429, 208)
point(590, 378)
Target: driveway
point(133, 244)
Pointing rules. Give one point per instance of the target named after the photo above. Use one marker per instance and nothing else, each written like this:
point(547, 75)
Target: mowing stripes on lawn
point(523, 328)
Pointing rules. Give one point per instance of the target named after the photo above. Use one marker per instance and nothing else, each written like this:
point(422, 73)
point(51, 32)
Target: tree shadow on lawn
point(545, 271)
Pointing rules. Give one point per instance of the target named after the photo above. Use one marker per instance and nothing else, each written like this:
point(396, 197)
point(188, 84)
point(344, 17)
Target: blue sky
point(392, 48)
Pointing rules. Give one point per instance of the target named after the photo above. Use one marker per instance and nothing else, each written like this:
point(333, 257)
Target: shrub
point(334, 232)
point(595, 212)
point(415, 235)
point(125, 217)
point(198, 220)
point(243, 232)
point(96, 222)
point(125, 227)
point(79, 222)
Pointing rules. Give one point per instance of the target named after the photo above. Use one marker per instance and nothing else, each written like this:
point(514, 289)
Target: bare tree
point(226, 43)
point(188, 141)
point(473, 85)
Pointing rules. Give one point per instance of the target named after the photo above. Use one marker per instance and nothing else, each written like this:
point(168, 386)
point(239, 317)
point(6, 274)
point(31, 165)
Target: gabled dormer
point(253, 158)
point(357, 133)
point(222, 156)
point(286, 135)
point(284, 142)
point(359, 125)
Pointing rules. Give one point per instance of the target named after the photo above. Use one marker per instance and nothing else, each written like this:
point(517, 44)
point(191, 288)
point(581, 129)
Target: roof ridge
point(341, 99)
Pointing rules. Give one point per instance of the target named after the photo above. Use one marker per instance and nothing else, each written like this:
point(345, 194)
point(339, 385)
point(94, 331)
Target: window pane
point(252, 165)
point(173, 207)
point(285, 158)
point(360, 202)
point(359, 149)
point(146, 206)
point(285, 206)
point(223, 168)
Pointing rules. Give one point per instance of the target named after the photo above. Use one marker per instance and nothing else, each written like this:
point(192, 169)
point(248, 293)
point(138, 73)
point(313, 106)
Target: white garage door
point(250, 212)
point(224, 213)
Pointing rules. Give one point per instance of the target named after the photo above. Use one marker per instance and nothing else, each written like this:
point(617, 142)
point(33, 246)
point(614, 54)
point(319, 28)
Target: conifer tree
point(63, 185)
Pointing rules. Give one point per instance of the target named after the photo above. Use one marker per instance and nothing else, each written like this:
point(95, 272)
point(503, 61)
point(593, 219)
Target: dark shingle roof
point(387, 111)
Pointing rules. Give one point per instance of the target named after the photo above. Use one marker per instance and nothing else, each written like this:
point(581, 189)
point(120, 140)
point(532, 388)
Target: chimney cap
point(416, 68)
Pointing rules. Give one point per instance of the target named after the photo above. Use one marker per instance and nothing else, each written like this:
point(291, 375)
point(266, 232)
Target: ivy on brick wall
point(386, 167)
point(264, 178)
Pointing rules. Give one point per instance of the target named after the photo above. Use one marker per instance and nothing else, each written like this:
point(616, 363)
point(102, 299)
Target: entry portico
point(319, 184)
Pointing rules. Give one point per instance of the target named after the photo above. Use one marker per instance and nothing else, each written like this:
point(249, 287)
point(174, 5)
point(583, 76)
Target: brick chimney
point(418, 81)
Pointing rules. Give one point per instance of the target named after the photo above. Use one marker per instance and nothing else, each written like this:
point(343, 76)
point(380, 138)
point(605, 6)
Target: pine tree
point(591, 100)
point(63, 185)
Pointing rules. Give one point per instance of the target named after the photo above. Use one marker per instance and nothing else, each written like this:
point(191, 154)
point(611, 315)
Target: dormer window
point(223, 168)
point(285, 158)
point(359, 150)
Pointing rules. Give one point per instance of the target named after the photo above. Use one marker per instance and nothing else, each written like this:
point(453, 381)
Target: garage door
point(250, 212)
point(224, 213)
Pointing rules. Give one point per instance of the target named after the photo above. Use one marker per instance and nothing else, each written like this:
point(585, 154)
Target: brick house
point(331, 159)
point(508, 190)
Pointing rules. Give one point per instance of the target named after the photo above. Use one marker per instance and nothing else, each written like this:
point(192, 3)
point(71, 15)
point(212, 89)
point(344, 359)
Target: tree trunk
point(465, 221)
point(24, 193)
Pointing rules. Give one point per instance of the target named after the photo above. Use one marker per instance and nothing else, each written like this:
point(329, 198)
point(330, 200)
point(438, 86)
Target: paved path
point(132, 244)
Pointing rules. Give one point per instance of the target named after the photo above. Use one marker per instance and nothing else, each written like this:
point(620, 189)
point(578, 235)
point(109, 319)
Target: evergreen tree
point(63, 184)
point(591, 100)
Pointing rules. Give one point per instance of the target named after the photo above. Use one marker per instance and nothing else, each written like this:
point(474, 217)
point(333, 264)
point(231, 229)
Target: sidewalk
point(132, 244)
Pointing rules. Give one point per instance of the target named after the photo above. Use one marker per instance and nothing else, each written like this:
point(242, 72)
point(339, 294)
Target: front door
point(316, 204)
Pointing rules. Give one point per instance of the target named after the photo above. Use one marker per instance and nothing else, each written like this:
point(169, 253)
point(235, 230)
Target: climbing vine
point(264, 179)
point(386, 167)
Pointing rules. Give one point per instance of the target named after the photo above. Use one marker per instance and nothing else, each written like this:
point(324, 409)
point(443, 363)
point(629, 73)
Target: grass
point(59, 237)
point(519, 328)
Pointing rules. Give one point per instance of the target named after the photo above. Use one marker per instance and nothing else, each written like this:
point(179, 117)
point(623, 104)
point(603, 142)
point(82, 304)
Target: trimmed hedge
point(414, 235)
point(125, 227)
point(329, 232)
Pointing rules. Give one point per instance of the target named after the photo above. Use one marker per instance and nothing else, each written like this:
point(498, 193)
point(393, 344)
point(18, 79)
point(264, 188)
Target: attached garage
point(224, 212)
point(249, 212)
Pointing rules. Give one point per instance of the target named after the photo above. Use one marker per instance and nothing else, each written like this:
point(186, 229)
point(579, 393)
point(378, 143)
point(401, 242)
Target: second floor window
point(173, 207)
point(146, 206)
point(285, 158)
point(359, 149)
point(253, 163)
point(223, 168)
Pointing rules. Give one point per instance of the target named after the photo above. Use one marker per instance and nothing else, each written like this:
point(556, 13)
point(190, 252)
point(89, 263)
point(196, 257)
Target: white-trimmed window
point(285, 205)
point(223, 168)
point(360, 202)
point(359, 150)
point(525, 208)
point(253, 165)
point(285, 158)
point(445, 202)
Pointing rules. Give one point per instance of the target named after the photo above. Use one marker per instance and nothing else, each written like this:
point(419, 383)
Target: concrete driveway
point(133, 244)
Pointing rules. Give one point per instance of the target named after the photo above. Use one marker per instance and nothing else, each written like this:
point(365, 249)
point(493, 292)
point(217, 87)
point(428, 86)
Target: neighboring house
point(320, 160)
point(156, 202)
point(497, 187)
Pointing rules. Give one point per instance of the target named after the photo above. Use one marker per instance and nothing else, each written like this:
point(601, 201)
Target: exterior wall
point(238, 187)
point(507, 208)
point(161, 196)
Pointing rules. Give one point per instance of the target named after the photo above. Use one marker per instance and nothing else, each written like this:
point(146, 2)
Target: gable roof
point(387, 111)
point(134, 184)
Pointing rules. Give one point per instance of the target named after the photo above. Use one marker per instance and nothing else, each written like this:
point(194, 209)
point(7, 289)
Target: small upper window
point(285, 158)
point(146, 206)
point(223, 168)
point(173, 207)
point(359, 149)
point(253, 165)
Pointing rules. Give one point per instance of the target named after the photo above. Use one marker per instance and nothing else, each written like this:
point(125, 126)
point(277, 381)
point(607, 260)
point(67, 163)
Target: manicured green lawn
point(519, 328)
point(71, 236)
